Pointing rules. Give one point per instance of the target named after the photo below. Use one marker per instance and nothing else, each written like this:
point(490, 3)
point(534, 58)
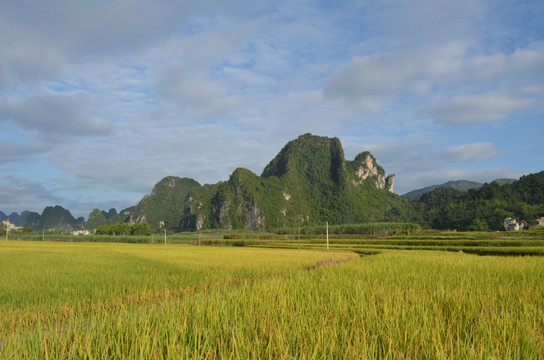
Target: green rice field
point(270, 299)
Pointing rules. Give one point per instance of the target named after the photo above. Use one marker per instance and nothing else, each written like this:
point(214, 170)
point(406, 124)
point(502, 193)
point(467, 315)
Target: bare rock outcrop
point(366, 167)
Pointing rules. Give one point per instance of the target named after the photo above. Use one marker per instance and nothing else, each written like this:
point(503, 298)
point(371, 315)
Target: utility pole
point(164, 236)
point(299, 237)
point(327, 224)
point(198, 239)
point(7, 230)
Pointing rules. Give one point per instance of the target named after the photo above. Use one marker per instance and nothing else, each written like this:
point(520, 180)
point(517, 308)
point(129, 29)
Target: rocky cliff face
point(390, 182)
point(236, 203)
point(365, 166)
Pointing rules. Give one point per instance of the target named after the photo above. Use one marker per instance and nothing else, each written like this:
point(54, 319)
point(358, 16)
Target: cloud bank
point(100, 100)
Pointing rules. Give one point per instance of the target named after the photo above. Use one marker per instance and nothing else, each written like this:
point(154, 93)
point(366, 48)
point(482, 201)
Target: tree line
point(124, 229)
point(486, 208)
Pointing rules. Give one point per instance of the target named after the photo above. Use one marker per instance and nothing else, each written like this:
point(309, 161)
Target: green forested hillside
point(486, 208)
point(164, 207)
point(461, 185)
point(309, 182)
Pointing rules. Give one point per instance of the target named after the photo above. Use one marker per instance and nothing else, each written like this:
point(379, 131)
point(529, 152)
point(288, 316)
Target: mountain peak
point(169, 182)
point(54, 217)
point(308, 156)
point(364, 166)
point(165, 205)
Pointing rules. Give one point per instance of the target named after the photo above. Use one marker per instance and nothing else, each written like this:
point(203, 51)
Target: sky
point(101, 99)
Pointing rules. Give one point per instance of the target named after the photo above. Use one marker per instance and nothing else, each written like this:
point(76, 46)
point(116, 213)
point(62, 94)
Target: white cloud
point(473, 109)
point(524, 64)
point(470, 152)
point(189, 89)
point(199, 89)
point(42, 41)
point(14, 152)
point(54, 115)
point(426, 20)
point(14, 190)
point(454, 69)
point(193, 97)
point(242, 79)
point(371, 81)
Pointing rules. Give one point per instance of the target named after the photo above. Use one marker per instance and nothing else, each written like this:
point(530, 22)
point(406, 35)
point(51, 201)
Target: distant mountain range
point(461, 185)
point(308, 183)
point(54, 217)
point(14, 218)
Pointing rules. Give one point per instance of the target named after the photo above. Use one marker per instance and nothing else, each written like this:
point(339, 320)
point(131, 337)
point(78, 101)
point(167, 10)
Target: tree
point(478, 225)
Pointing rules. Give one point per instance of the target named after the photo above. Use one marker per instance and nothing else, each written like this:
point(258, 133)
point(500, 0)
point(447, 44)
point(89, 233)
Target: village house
point(81, 232)
point(512, 225)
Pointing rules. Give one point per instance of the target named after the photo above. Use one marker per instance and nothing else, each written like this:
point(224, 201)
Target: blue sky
point(99, 100)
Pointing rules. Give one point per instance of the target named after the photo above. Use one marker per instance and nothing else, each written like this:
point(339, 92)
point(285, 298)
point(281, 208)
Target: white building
point(81, 232)
point(512, 225)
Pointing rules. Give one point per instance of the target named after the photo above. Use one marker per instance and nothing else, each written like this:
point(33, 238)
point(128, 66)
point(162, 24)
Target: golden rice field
point(132, 301)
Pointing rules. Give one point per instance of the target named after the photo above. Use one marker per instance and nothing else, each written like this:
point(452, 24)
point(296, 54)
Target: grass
point(47, 285)
point(119, 301)
point(530, 243)
point(384, 228)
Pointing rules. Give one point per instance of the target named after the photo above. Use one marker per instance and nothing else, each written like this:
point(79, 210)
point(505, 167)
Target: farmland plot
point(135, 301)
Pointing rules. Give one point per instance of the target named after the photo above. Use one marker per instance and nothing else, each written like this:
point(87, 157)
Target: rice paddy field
point(266, 298)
